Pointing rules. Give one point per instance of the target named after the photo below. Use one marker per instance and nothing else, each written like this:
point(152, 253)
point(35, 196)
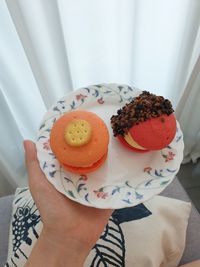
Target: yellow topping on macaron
point(132, 142)
point(78, 133)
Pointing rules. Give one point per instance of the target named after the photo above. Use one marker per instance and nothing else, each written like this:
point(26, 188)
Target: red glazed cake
point(146, 123)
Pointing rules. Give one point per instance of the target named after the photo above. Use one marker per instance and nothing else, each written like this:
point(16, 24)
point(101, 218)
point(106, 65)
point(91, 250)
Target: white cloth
point(188, 115)
point(71, 44)
point(146, 237)
point(159, 239)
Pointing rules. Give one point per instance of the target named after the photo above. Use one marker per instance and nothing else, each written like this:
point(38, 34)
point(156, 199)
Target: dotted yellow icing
point(77, 133)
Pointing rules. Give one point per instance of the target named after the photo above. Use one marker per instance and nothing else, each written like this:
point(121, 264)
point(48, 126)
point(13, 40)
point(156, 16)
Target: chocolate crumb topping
point(141, 108)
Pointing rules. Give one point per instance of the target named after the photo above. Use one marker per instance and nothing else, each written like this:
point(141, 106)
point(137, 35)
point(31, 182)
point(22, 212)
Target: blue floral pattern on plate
point(127, 178)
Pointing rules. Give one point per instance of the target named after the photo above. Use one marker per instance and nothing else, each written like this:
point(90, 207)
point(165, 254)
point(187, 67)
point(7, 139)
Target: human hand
point(65, 222)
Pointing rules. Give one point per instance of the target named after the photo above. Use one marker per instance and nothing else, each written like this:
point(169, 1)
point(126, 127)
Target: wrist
point(67, 248)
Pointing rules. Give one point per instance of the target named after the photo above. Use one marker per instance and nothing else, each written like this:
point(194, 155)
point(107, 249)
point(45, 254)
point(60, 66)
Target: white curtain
point(187, 113)
point(49, 47)
point(19, 97)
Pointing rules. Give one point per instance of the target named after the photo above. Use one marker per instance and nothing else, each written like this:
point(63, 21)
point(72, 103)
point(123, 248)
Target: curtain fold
point(51, 47)
point(147, 44)
point(11, 156)
point(17, 83)
point(21, 105)
point(187, 113)
point(71, 44)
point(38, 25)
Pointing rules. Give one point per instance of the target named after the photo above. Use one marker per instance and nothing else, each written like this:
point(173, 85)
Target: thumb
point(35, 174)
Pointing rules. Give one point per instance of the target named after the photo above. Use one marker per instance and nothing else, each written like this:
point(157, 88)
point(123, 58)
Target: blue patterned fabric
point(113, 234)
point(110, 250)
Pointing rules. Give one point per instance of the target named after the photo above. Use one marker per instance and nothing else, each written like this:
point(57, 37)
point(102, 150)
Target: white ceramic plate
point(126, 178)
